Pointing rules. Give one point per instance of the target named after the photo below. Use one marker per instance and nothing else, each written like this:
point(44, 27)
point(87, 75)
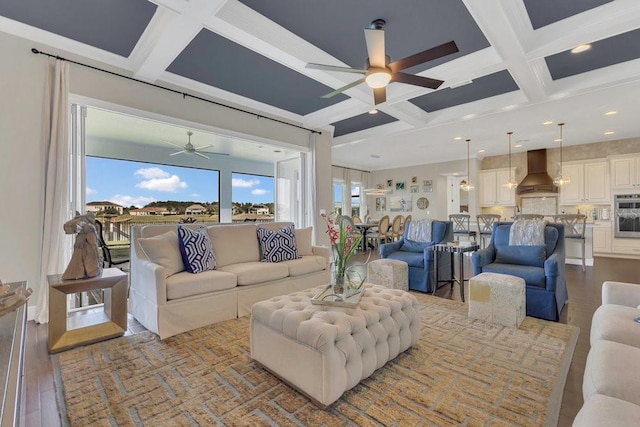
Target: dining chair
point(574, 229)
point(381, 233)
point(396, 228)
point(462, 226)
point(356, 219)
point(405, 221)
point(485, 226)
point(528, 216)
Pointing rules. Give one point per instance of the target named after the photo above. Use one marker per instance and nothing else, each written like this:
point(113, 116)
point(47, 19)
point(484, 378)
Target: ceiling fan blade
point(375, 47)
point(416, 80)
point(379, 95)
point(335, 68)
point(203, 147)
point(178, 152)
point(200, 154)
point(424, 56)
point(171, 143)
point(343, 88)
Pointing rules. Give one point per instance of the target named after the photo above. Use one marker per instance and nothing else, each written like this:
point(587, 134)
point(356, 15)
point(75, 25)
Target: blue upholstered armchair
point(419, 258)
point(541, 267)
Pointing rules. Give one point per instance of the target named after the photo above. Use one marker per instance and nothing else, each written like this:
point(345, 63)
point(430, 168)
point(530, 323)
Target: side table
point(452, 249)
point(112, 323)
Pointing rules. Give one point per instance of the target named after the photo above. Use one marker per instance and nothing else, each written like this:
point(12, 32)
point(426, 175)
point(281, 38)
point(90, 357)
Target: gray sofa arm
point(149, 280)
point(621, 294)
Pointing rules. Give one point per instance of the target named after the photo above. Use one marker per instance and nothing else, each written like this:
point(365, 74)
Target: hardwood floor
point(584, 294)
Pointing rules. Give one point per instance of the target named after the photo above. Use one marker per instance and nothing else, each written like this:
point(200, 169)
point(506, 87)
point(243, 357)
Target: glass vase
point(339, 281)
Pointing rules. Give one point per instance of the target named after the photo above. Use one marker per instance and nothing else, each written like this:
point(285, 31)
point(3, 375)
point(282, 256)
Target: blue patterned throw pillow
point(196, 250)
point(277, 246)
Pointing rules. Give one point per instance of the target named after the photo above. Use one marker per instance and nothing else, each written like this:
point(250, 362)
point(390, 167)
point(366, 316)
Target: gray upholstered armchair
point(542, 267)
point(420, 258)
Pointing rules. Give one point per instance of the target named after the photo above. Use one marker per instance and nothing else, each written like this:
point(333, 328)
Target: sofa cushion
point(412, 246)
point(305, 265)
point(304, 239)
point(600, 410)
point(250, 273)
point(523, 255)
point(613, 322)
point(611, 370)
point(196, 250)
point(164, 250)
point(277, 246)
point(185, 284)
point(533, 276)
point(234, 244)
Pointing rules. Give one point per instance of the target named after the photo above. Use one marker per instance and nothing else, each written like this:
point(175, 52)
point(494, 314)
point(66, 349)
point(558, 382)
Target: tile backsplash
point(545, 205)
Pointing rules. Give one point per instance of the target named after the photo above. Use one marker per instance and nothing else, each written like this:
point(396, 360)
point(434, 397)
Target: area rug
point(461, 372)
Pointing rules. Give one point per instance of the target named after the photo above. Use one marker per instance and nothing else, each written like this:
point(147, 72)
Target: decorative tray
point(327, 297)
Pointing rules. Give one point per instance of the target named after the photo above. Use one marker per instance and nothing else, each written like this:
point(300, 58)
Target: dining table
point(363, 227)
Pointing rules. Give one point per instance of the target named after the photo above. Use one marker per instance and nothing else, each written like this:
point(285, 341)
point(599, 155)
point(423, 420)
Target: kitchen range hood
point(537, 179)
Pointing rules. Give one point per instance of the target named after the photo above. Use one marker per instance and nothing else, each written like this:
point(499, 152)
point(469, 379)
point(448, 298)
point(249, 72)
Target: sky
point(132, 183)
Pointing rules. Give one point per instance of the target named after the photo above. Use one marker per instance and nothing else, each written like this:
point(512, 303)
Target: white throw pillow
point(303, 240)
point(164, 250)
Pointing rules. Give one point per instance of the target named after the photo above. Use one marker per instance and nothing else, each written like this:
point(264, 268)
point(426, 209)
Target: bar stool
point(485, 226)
point(574, 228)
point(461, 226)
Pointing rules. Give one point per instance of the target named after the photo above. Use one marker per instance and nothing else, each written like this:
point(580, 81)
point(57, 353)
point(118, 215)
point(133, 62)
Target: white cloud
point(89, 191)
point(170, 184)
point(152, 173)
point(127, 201)
point(259, 192)
point(244, 183)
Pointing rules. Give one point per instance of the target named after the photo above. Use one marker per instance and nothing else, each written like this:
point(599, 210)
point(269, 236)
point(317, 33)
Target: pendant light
point(561, 180)
point(511, 183)
point(466, 185)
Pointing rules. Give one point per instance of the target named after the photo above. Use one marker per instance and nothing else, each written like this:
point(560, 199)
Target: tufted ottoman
point(497, 298)
point(391, 273)
point(323, 351)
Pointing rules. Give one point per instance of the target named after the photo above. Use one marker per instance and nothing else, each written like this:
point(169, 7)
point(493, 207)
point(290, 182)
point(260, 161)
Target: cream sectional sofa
point(611, 383)
point(168, 300)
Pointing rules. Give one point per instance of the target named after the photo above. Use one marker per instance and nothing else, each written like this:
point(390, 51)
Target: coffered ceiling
point(514, 69)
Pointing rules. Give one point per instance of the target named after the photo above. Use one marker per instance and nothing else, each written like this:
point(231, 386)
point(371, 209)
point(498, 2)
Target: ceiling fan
point(380, 71)
point(188, 148)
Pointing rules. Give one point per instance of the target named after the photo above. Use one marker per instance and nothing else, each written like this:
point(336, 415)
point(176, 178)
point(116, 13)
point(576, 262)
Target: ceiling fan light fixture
point(378, 77)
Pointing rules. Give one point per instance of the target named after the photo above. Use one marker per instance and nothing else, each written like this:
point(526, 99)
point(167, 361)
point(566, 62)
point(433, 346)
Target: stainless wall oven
point(627, 215)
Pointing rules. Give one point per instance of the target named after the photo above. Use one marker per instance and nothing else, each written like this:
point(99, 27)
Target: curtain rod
point(184, 94)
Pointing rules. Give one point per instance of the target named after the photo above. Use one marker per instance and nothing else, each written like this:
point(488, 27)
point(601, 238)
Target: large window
point(337, 197)
point(252, 197)
point(356, 188)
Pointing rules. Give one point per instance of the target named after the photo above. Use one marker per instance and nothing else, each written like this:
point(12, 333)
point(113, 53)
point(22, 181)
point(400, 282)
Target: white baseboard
point(31, 312)
point(575, 261)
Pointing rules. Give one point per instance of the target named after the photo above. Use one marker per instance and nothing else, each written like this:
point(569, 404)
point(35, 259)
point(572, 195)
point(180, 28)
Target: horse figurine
point(86, 260)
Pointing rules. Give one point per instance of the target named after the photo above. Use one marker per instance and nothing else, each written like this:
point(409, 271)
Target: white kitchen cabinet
point(625, 172)
point(589, 183)
point(602, 239)
point(492, 191)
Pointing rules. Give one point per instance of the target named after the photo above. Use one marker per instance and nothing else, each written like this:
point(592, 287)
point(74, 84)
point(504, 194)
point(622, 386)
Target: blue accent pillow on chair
point(277, 246)
point(196, 250)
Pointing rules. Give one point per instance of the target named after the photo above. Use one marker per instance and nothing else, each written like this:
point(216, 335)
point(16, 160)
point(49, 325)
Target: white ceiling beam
point(167, 35)
point(496, 25)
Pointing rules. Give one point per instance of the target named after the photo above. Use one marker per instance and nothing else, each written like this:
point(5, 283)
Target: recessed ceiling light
point(548, 122)
point(481, 151)
point(374, 111)
point(581, 48)
point(557, 140)
point(518, 145)
point(375, 156)
point(609, 132)
point(610, 113)
point(457, 138)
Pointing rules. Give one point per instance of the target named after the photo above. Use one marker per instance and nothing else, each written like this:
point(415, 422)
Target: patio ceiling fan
point(380, 71)
point(188, 148)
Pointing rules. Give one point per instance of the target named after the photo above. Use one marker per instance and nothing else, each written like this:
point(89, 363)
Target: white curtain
point(312, 183)
point(56, 185)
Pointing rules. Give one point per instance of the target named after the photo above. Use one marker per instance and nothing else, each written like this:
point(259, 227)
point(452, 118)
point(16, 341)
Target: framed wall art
point(413, 189)
point(400, 203)
point(381, 204)
point(400, 186)
point(414, 179)
point(389, 183)
point(427, 186)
